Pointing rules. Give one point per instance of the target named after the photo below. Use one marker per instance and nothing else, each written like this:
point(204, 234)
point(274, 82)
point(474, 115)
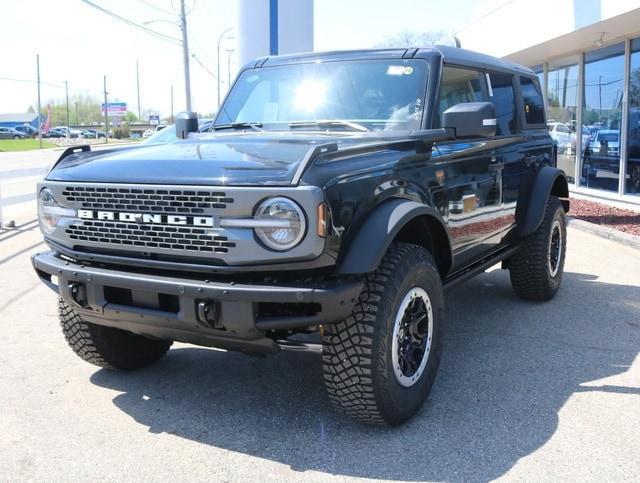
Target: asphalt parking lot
point(526, 391)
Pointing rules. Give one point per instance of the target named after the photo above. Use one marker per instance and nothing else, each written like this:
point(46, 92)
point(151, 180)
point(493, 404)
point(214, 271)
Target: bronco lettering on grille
point(183, 220)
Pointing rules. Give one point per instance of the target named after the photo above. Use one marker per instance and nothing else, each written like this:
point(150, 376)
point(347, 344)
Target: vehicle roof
point(448, 54)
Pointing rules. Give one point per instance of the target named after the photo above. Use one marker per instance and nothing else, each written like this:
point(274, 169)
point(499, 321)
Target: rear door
point(469, 176)
point(508, 154)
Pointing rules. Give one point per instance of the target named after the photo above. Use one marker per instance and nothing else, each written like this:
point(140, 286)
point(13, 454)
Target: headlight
point(50, 212)
point(279, 223)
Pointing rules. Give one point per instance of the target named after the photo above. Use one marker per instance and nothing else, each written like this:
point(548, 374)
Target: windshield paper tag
point(399, 70)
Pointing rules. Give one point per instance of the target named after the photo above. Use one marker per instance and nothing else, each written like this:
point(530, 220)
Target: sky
point(79, 44)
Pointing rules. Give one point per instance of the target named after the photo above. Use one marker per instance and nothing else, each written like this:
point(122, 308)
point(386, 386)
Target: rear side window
point(532, 99)
point(460, 85)
point(504, 99)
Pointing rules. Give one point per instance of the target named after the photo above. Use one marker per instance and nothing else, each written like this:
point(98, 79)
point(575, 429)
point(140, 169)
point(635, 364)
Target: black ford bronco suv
point(334, 200)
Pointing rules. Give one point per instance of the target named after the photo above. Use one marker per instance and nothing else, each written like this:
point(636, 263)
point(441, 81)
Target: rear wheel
point(16, 137)
point(106, 346)
point(380, 363)
point(536, 269)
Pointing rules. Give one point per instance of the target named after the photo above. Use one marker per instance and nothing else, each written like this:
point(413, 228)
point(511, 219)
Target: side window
point(504, 99)
point(459, 85)
point(532, 99)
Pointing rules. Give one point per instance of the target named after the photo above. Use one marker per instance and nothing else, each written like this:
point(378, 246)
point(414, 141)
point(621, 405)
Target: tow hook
point(78, 293)
point(208, 314)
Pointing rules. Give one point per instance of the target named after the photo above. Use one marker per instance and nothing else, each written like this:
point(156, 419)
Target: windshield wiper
point(256, 126)
point(328, 124)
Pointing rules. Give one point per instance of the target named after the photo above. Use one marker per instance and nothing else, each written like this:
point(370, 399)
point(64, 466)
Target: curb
point(631, 241)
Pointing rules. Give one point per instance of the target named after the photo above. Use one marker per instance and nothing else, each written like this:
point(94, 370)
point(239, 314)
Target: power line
point(159, 35)
point(491, 12)
point(157, 8)
point(50, 84)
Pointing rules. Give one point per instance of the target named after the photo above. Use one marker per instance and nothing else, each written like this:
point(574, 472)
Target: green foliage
point(130, 117)
point(88, 109)
point(122, 131)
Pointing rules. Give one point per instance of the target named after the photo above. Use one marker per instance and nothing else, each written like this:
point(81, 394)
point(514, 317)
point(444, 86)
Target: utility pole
point(185, 55)
point(138, 88)
point(77, 117)
point(230, 51)
point(171, 103)
point(66, 94)
point(219, 42)
point(106, 113)
point(39, 107)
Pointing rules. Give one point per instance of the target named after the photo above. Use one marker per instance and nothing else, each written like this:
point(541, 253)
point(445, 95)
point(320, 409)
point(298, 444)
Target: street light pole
point(138, 88)
point(230, 51)
point(185, 55)
point(39, 106)
point(106, 113)
point(77, 117)
point(66, 93)
point(219, 42)
point(171, 103)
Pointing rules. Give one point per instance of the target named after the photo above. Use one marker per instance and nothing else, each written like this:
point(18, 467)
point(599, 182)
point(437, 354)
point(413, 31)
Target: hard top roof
point(450, 55)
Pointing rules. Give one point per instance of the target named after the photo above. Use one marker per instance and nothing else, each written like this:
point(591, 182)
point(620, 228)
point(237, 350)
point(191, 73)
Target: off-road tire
point(529, 269)
point(108, 347)
point(357, 360)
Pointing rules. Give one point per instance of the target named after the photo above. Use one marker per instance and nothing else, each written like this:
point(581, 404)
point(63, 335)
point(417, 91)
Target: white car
point(147, 133)
point(561, 134)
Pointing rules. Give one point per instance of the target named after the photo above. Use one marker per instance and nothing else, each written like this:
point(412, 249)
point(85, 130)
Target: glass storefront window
point(632, 182)
point(601, 117)
point(562, 102)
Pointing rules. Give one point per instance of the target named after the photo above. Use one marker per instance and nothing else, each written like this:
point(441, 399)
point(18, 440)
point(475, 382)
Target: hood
point(222, 159)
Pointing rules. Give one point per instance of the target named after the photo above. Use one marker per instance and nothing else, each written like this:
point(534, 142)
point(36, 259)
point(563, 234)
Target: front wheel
point(16, 137)
point(536, 268)
point(108, 347)
point(380, 363)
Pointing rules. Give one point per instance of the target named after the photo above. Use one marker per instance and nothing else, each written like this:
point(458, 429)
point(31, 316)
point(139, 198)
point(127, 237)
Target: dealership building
point(586, 54)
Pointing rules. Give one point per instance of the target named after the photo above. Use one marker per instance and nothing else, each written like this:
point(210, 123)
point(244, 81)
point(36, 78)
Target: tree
point(412, 38)
point(89, 110)
point(130, 117)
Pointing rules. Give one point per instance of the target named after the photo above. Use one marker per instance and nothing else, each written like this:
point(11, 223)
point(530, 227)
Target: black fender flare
point(365, 252)
point(531, 207)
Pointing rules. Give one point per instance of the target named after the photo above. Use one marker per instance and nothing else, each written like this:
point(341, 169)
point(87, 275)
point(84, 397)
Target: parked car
point(92, 134)
point(561, 134)
point(147, 133)
point(73, 133)
point(601, 160)
point(11, 133)
point(135, 135)
point(28, 130)
point(54, 133)
point(331, 220)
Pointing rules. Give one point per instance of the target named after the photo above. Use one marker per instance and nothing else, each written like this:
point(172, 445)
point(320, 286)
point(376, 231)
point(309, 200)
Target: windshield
point(374, 94)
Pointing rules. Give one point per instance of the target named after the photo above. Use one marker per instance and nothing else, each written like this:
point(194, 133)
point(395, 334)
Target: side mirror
point(186, 122)
point(471, 119)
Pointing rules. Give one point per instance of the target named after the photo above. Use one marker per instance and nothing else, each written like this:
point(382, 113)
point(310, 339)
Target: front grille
point(131, 235)
point(146, 200)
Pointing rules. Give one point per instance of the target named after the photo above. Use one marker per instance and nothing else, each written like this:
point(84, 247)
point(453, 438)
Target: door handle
point(496, 167)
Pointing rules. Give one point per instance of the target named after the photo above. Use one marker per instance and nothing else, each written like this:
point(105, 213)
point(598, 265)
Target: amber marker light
point(322, 220)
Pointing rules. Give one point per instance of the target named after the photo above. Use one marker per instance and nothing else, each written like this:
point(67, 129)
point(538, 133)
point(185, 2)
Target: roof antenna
point(457, 42)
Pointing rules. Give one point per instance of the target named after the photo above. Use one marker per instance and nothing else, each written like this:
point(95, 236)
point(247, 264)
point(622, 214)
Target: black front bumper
point(238, 325)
